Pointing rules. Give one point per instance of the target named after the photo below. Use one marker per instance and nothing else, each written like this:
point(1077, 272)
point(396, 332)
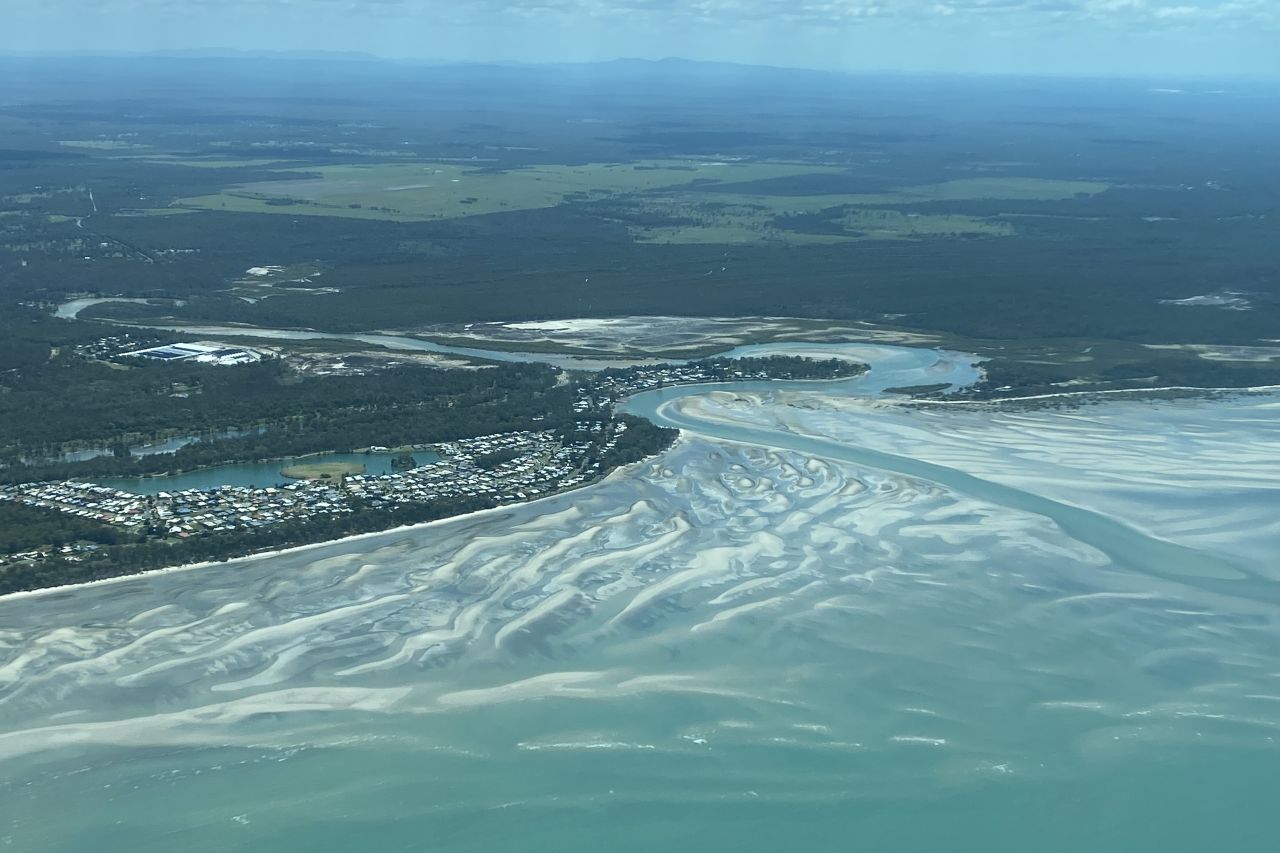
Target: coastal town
point(492, 470)
point(504, 468)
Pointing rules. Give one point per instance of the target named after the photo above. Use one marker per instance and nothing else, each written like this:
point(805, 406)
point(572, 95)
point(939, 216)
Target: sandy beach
point(345, 540)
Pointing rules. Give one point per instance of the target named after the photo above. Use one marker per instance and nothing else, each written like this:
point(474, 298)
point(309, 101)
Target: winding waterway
point(820, 622)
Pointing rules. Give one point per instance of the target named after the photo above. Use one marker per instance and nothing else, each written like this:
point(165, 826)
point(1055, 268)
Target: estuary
point(823, 620)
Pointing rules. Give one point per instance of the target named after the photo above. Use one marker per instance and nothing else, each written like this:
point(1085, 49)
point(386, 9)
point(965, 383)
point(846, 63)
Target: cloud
point(721, 10)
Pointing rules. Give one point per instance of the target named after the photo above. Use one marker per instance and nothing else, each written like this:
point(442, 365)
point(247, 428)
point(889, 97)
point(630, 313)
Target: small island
point(918, 390)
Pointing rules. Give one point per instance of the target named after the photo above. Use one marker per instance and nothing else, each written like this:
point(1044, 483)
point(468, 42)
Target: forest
point(24, 528)
point(1188, 212)
point(71, 400)
point(782, 367)
point(912, 205)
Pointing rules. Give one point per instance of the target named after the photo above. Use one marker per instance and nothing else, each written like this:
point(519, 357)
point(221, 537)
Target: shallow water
point(808, 626)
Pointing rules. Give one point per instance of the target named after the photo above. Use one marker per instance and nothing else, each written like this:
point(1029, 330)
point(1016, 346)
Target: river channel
point(821, 621)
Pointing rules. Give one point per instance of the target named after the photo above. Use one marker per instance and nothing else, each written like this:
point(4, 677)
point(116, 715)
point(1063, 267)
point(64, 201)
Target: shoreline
point(710, 386)
point(620, 471)
point(1057, 395)
point(1112, 530)
point(295, 549)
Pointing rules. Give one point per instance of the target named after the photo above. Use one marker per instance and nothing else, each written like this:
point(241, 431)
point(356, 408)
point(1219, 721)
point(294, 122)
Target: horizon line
point(364, 57)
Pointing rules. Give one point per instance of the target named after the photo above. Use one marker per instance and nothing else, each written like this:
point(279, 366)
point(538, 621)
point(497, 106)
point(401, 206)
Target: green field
point(729, 217)
point(665, 201)
point(212, 162)
point(152, 211)
point(1005, 189)
point(418, 191)
point(895, 224)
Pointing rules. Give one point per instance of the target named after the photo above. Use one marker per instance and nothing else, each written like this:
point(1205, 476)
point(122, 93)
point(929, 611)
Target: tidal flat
point(754, 641)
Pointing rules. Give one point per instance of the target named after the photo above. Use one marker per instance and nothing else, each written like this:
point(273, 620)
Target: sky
point(1168, 38)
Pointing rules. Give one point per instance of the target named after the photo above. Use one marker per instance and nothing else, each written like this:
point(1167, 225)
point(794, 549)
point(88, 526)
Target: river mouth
point(1121, 543)
point(891, 367)
point(802, 624)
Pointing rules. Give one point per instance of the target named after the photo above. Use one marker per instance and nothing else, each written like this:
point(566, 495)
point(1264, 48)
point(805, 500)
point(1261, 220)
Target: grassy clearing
point(411, 192)
point(896, 225)
point(670, 201)
point(322, 470)
point(214, 162)
point(153, 211)
point(731, 217)
point(41, 195)
point(1007, 189)
point(698, 220)
point(725, 230)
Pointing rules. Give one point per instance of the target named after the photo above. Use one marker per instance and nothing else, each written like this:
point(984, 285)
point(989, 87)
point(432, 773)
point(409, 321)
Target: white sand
point(298, 549)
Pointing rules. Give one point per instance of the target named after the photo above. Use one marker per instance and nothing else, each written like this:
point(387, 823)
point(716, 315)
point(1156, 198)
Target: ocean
point(822, 621)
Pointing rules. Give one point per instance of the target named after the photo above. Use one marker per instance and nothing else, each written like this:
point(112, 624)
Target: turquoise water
point(808, 626)
point(257, 475)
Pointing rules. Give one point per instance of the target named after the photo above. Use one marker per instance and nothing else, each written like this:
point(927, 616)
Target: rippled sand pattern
point(733, 647)
point(1206, 474)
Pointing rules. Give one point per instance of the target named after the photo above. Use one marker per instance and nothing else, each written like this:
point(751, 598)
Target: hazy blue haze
point(1162, 37)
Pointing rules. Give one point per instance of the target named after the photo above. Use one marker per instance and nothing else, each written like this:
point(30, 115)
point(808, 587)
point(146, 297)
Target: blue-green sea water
point(817, 623)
